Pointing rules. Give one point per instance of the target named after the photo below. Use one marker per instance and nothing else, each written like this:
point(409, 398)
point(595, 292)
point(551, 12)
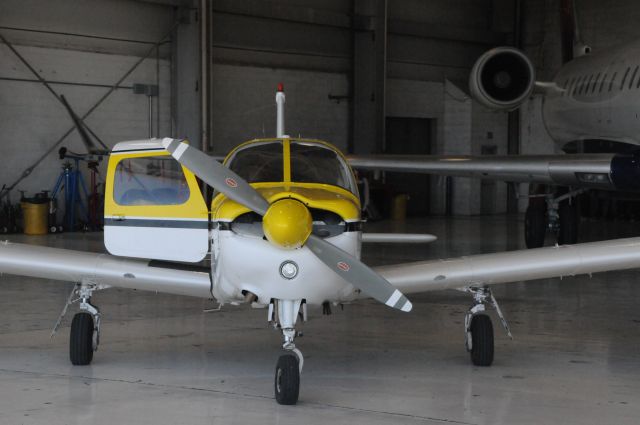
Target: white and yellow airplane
point(283, 231)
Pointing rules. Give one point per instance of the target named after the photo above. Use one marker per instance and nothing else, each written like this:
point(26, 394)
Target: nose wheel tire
point(287, 380)
point(482, 340)
point(81, 340)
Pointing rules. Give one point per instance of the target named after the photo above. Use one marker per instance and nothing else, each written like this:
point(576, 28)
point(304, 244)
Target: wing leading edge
point(423, 276)
point(514, 266)
point(101, 269)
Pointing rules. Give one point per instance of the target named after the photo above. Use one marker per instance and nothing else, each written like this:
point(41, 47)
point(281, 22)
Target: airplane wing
point(514, 266)
point(103, 270)
point(603, 171)
point(486, 269)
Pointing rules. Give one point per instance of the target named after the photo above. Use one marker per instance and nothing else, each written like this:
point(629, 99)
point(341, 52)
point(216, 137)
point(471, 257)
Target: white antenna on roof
point(280, 111)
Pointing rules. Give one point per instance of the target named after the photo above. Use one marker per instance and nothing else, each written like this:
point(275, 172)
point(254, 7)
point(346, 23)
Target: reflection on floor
point(575, 356)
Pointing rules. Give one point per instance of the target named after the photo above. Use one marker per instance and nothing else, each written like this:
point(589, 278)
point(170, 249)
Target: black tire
point(482, 340)
point(568, 223)
point(287, 380)
point(81, 341)
point(535, 226)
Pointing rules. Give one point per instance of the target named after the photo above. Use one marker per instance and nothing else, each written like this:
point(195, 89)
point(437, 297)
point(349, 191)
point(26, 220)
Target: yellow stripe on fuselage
point(286, 159)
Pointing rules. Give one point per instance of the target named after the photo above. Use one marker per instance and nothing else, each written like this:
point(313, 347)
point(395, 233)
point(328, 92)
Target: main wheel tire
point(535, 226)
point(482, 340)
point(568, 223)
point(81, 341)
point(287, 380)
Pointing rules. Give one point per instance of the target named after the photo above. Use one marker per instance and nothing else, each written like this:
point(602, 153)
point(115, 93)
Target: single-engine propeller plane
point(283, 231)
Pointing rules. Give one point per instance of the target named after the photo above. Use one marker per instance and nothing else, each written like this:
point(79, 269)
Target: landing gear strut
point(478, 326)
point(283, 314)
point(535, 224)
point(85, 327)
point(556, 212)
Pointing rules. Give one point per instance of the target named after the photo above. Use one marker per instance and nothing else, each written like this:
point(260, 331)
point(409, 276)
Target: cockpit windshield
point(310, 163)
point(313, 163)
point(259, 162)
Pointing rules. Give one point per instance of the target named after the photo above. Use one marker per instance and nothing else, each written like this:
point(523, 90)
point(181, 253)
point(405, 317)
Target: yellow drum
point(399, 207)
point(35, 217)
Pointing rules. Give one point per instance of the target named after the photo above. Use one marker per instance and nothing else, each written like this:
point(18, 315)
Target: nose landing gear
point(283, 314)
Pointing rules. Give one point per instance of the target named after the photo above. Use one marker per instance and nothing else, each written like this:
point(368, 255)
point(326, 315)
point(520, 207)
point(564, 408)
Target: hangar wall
point(347, 66)
point(342, 82)
point(83, 48)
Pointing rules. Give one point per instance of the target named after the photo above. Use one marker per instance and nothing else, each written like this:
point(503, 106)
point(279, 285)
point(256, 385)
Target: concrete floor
point(575, 356)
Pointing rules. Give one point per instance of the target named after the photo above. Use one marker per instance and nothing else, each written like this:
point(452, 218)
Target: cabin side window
point(581, 84)
point(157, 180)
point(572, 80)
point(604, 78)
point(613, 79)
point(575, 88)
point(586, 86)
point(626, 73)
point(633, 77)
point(595, 83)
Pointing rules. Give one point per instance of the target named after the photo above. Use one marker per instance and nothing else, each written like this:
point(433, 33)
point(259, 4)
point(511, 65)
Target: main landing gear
point(85, 327)
point(284, 314)
point(557, 213)
point(478, 326)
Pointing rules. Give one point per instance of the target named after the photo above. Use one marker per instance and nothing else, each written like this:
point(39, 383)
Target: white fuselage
point(252, 264)
point(599, 100)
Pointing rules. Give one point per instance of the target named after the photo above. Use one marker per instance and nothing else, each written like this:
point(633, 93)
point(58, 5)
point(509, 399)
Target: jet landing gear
point(478, 326)
point(283, 314)
point(557, 213)
point(85, 327)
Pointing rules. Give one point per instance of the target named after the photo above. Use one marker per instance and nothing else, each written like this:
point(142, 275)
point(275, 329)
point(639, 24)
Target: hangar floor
point(575, 356)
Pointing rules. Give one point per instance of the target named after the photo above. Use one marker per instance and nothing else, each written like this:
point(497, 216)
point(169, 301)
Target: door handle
point(118, 217)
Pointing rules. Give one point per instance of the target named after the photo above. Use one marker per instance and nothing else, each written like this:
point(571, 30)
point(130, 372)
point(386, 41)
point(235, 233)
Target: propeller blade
point(358, 274)
point(216, 175)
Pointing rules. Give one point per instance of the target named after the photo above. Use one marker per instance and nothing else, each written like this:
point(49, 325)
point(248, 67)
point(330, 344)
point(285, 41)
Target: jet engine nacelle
point(502, 78)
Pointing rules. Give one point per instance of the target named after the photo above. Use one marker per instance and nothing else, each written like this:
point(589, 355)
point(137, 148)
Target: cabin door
point(154, 209)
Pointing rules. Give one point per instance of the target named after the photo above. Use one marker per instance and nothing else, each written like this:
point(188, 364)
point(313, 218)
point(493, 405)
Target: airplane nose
point(287, 223)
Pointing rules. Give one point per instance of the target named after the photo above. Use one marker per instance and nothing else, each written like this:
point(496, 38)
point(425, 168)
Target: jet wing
point(603, 171)
point(514, 266)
